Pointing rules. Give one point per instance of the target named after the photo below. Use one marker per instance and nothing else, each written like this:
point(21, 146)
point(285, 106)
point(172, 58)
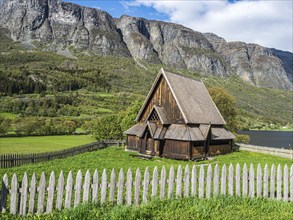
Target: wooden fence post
point(171, 182)
point(193, 181)
point(279, 183)
point(13, 195)
point(223, 180)
point(86, 187)
point(41, 194)
point(186, 181)
point(238, 180)
point(145, 185)
point(201, 182)
point(77, 187)
point(4, 193)
point(216, 180)
point(209, 181)
point(285, 183)
point(129, 187)
point(60, 188)
point(137, 187)
point(104, 187)
point(272, 182)
point(120, 187)
point(23, 197)
point(95, 186)
point(155, 182)
point(291, 183)
point(68, 190)
point(112, 186)
point(179, 182)
point(244, 181)
point(32, 190)
point(51, 189)
point(251, 181)
point(231, 180)
point(266, 181)
point(259, 181)
point(163, 183)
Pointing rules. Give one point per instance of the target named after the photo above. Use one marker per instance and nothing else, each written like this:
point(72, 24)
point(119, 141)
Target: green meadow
point(40, 144)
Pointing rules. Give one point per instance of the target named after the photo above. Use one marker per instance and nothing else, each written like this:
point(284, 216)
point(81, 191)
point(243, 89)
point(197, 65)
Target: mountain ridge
point(60, 25)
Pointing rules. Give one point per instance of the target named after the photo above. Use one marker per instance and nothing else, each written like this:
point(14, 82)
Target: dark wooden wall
point(162, 96)
point(133, 142)
point(176, 149)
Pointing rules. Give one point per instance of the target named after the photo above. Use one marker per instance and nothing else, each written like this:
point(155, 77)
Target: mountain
point(61, 26)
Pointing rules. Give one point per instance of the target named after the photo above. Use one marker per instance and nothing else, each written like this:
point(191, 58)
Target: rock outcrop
point(60, 24)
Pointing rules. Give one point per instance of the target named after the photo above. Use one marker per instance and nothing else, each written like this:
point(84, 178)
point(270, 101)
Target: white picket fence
point(199, 181)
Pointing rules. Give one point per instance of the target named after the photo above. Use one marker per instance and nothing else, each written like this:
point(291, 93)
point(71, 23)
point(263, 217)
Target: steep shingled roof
point(192, 98)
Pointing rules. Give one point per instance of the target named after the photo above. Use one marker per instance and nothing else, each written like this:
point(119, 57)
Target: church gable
point(161, 96)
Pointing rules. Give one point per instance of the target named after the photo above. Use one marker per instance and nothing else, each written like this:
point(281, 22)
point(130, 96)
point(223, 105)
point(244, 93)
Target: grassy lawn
point(24, 145)
point(116, 157)
point(219, 208)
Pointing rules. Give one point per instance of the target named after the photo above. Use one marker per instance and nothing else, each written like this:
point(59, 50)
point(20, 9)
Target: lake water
point(277, 139)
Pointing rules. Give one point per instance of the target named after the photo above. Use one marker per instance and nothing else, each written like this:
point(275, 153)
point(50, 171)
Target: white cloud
point(268, 23)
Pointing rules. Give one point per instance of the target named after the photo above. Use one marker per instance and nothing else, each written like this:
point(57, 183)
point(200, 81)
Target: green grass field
point(40, 144)
point(117, 157)
point(219, 208)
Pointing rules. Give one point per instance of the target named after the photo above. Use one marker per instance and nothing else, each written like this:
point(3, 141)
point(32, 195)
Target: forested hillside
point(46, 93)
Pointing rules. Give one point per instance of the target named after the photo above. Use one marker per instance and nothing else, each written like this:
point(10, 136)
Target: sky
point(265, 22)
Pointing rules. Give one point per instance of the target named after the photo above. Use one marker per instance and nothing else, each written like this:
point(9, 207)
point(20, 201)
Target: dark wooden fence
point(12, 160)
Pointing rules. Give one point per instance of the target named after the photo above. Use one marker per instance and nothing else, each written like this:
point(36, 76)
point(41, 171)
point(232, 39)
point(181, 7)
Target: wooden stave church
point(179, 120)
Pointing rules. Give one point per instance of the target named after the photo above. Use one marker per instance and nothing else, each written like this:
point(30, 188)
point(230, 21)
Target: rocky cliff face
point(60, 24)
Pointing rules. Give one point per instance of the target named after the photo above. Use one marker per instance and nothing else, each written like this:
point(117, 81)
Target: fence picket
point(245, 181)
point(51, 189)
point(32, 191)
point(193, 181)
point(285, 183)
point(291, 183)
point(259, 181)
point(60, 187)
point(13, 197)
point(68, 189)
point(179, 182)
point(120, 187)
point(231, 180)
point(4, 194)
point(95, 186)
point(163, 183)
point(265, 181)
point(171, 182)
point(112, 186)
point(201, 182)
point(41, 194)
point(23, 195)
point(78, 184)
point(251, 181)
point(209, 181)
point(223, 180)
point(145, 185)
point(272, 183)
point(86, 187)
point(129, 188)
point(279, 183)
point(237, 180)
point(186, 181)
point(137, 186)
point(104, 187)
point(155, 182)
point(216, 180)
